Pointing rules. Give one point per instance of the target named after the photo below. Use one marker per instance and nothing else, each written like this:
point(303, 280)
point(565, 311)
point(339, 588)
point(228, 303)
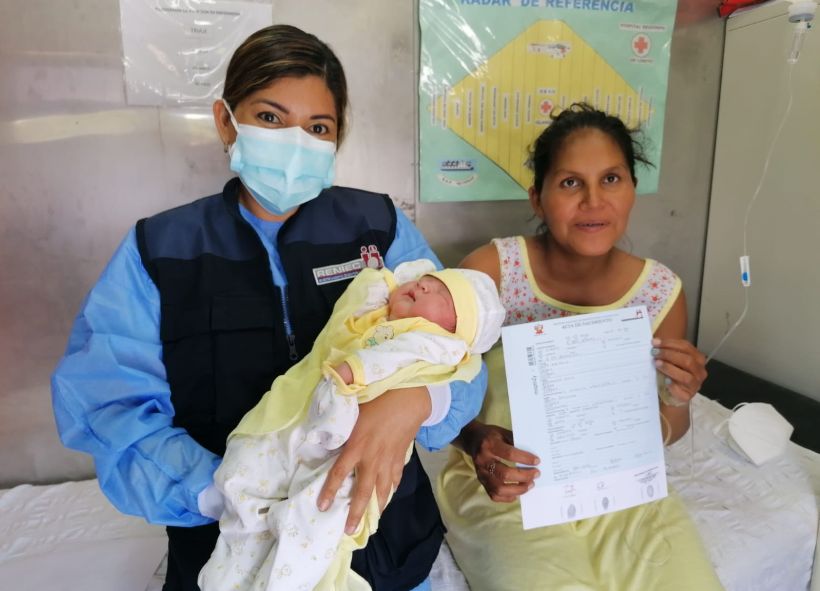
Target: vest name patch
point(369, 259)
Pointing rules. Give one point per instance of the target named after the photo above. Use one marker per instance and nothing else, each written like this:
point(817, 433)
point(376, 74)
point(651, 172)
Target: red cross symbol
point(546, 107)
point(641, 45)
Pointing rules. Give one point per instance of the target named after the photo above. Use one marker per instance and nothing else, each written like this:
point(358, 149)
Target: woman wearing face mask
point(204, 305)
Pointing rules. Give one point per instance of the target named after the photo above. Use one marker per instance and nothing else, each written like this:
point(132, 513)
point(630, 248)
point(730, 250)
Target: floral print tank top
point(657, 288)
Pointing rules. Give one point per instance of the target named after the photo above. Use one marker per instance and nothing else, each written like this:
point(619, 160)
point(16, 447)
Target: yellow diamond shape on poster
point(502, 106)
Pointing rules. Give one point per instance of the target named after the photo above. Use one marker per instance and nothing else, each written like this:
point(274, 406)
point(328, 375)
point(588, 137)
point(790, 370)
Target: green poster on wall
point(492, 72)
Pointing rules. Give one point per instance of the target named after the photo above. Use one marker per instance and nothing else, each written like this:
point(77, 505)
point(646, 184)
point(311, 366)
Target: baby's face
point(426, 298)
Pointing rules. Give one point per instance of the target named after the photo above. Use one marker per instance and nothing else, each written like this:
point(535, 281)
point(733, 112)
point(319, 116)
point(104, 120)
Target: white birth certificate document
point(584, 399)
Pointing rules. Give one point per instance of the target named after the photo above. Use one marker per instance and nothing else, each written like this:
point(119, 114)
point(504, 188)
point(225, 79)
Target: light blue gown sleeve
point(111, 400)
point(465, 397)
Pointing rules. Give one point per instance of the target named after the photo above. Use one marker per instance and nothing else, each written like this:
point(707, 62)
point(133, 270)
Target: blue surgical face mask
point(281, 168)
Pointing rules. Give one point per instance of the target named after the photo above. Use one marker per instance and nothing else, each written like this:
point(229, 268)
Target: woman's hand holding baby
point(377, 449)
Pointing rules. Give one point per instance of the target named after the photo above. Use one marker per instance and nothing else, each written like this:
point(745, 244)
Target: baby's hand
point(345, 373)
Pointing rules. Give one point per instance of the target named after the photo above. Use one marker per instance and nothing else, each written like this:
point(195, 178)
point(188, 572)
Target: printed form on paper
point(584, 399)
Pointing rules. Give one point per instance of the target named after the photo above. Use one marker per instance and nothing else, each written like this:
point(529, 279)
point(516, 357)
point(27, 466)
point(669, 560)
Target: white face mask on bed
point(757, 432)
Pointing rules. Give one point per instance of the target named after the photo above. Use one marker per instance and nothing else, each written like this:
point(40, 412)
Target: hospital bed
point(759, 525)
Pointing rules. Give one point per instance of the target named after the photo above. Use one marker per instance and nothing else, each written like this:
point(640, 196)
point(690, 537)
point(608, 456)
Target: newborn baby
point(426, 298)
point(417, 327)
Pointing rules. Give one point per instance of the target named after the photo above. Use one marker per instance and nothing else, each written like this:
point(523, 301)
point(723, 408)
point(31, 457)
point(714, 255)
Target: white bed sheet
point(759, 525)
point(68, 537)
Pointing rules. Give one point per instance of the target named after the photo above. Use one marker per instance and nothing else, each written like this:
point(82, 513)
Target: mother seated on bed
point(583, 191)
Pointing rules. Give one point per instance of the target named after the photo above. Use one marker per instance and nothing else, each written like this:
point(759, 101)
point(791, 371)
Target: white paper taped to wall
point(176, 52)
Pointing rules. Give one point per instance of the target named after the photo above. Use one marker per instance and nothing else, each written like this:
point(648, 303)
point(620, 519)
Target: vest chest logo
point(370, 258)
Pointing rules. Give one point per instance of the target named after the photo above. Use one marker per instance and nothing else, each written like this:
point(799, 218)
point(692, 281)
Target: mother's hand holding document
point(490, 446)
